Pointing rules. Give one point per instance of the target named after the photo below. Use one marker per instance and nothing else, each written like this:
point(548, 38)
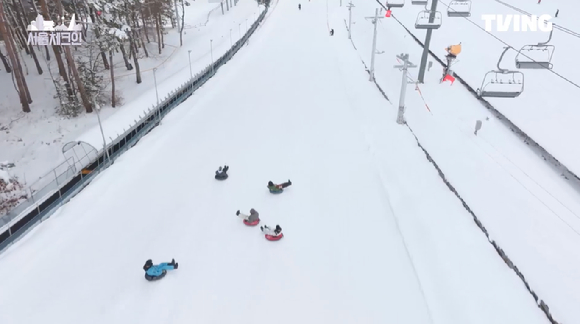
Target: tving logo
point(518, 23)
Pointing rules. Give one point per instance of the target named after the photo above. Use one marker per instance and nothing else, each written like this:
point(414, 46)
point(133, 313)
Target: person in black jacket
point(222, 173)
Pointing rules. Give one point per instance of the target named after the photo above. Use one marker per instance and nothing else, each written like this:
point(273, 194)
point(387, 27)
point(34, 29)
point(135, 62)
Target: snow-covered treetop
point(118, 33)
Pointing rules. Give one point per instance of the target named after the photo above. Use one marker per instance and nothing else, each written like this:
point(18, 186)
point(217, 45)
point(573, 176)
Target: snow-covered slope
point(547, 109)
point(371, 233)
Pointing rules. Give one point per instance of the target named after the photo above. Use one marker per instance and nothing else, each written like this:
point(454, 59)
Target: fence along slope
point(46, 207)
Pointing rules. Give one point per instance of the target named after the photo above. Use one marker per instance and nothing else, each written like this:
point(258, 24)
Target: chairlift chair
point(395, 3)
point(502, 83)
point(419, 2)
point(459, 8)
point(536, 56)
point(423, 20)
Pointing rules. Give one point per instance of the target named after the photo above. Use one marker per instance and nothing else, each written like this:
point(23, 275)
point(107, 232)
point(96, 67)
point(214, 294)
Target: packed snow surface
point(372, 235)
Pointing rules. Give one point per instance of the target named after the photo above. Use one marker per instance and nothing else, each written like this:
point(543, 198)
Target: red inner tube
point(274, 237)
point(254, 223)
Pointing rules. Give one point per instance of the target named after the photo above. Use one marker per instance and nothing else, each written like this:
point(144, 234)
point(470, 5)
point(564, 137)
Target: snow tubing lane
point(254, 223)
point(218, 177)
point(274, 237)
point(152, 278)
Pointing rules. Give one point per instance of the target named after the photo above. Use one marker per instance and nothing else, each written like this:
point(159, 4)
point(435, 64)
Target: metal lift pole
point(421, 78)
point(350, 6)
point(375, 21)
point(404, 67)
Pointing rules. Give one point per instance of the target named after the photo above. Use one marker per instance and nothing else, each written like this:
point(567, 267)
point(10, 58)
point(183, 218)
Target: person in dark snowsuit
point(222, 173)
point(278, 187)
point(299, 7)
point(254, 216)
point(332, 32)
point(155, 272)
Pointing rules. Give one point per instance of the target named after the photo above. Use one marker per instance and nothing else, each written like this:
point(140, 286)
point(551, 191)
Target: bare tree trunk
point(140, 39)
point(158, 28)
point(182, 22)
point(18, 56)
point(81, 86)
point(13, 22)
point(133, 48)
point(144, 24)
point(36, 62)
point(124, 53)
point(112, 79)
point(161, 30)
point(5, 62)
point(73, 69)
point(13, 36)
point(14, 60)
point(56, 49)
point(23, 24)
point(96, 31)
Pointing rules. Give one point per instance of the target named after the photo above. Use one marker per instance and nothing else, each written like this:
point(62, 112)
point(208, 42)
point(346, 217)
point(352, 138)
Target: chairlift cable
point(561, 203)
point(524, 55)
point(497, 38)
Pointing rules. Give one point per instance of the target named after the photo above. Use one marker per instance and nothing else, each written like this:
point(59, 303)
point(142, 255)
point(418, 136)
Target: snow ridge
point(541, 304)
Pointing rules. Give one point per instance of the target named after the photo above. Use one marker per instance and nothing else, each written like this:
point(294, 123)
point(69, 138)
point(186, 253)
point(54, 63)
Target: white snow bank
point(4, 176)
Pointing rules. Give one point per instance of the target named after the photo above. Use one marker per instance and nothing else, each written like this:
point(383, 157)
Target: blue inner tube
point(276, 191)
point(154, 278)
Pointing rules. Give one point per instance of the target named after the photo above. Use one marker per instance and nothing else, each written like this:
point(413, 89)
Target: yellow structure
point(454, 49)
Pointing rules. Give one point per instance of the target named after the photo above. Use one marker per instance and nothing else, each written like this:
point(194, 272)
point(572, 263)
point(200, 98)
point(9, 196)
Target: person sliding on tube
point(278, 187)
point(254, 216)
point(222, 173)
point(268, 231)
point(153, 272)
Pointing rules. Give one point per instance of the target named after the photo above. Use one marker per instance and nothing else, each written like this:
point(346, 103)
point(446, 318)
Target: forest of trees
point(109, 26)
